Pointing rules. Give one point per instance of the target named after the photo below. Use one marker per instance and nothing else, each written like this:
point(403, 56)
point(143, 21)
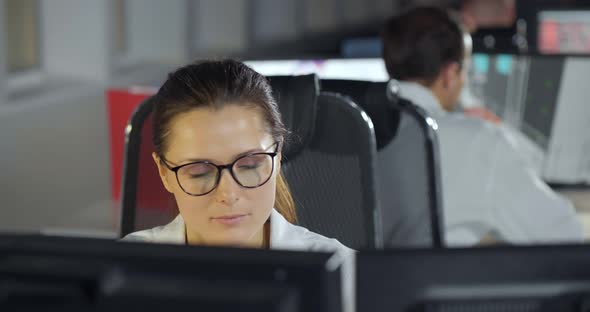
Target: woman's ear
point(163, 172)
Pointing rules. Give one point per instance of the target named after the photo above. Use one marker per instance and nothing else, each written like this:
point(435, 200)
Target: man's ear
point(451, 75)
point(163, 172)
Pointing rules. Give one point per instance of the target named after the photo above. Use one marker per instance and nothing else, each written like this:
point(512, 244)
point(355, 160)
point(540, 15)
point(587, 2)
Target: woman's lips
point(230, 219)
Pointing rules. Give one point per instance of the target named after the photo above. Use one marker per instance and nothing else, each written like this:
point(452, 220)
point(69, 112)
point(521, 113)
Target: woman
point(218, 137)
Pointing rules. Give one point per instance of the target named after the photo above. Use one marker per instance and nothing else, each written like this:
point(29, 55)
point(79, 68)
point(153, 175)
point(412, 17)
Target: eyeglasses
point(202, 177)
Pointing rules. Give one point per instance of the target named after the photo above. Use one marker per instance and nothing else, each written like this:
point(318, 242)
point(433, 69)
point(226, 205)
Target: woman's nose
point(228, 189)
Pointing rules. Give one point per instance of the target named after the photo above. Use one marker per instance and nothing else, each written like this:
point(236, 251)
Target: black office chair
point(329, 165)
point(409, 178)
point(297, 99)
point(330, 161)
point(145, 202)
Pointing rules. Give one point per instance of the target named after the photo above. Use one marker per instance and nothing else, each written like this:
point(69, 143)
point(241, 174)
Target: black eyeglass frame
point(229, 167)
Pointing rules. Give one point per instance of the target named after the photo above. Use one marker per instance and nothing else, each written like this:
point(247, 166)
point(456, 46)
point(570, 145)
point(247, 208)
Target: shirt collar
point(175, 231)
point(421, 96)
point(279, 231)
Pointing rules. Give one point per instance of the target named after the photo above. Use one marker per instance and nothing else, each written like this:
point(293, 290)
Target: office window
point(21, 26)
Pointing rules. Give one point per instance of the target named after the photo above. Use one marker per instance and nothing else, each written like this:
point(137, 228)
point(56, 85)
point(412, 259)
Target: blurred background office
point(58, 58)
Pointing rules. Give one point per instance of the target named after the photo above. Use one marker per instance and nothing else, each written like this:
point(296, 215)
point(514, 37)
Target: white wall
point(54, 151)
point(219, 26)
point(322, 15)
point(275, 20)
point(3, 67)
point(55, 164)
point(231, 25)
point(157, 30)
point(75, 41)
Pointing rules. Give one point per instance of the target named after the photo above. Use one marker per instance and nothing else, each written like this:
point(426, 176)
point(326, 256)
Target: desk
point(580, 198)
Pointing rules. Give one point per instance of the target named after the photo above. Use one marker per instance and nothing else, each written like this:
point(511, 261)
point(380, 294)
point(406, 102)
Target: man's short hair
point(419, 43)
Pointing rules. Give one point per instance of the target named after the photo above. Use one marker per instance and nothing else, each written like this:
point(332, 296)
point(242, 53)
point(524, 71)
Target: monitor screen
point(507, 279)
point(57, 274)
point(497, 83)
point(564, 32)
point(489, 77)
point(540, 102)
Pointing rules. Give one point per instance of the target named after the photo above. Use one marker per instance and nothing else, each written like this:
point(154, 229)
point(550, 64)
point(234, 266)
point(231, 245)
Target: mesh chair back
point(408, 178)
point(332, 177)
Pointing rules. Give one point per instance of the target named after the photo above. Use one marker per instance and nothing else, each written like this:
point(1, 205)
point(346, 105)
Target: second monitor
point(500, 279)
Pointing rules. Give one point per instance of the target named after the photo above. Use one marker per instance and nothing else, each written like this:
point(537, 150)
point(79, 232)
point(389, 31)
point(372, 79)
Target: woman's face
point(230, 214)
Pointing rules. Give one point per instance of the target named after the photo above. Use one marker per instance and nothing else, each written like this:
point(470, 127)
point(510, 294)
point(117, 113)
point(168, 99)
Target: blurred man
point(490, 194)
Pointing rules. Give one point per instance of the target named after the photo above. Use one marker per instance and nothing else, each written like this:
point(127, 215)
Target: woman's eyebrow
point(254, 150)
point(193, 160)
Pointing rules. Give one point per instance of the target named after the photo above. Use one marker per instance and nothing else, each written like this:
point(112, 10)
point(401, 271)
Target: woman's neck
point(260, 240)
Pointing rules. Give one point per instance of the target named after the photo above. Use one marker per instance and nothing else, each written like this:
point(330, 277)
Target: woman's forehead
point(217, 134)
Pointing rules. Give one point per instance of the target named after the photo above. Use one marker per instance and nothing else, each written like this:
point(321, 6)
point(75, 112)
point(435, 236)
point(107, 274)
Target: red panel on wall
point(154, 206)
point(121, 103)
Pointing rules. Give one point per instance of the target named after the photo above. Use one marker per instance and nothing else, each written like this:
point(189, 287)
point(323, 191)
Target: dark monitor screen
point(73, 274)
point(540, 102)
point(498, 279)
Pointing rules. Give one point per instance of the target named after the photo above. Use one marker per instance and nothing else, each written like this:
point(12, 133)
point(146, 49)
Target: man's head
point(426, 45)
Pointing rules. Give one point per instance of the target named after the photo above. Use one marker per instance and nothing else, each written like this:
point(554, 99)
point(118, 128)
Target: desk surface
point(581, 200)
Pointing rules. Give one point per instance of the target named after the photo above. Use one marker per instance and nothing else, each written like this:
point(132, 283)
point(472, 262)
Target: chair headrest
point(297, 100)
point(373, 98)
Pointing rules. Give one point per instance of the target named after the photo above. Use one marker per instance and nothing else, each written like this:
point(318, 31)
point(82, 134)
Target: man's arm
point(524, 208)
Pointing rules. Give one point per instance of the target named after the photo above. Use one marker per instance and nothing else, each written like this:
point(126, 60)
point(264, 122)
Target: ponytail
point(284, 203)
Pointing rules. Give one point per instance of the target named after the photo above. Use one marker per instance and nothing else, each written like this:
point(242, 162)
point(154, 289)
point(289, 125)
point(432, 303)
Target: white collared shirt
point(488, 188)
point(283, 236)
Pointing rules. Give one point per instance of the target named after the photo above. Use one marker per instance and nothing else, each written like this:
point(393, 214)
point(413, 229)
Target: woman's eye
point(200, 175)
point(251, 162)
point(198, 171)
point(249, 166)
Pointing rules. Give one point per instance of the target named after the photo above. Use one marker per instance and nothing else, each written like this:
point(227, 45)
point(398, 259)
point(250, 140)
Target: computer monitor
point(564, 31)
point(540, 102)
point(489, 80)
point(497, 85)
point(506, 279)
point(75, 274)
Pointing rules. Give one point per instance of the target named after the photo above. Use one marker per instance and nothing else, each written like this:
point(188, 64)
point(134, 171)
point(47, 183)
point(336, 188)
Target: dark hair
point(417, 44)
point(216, 84)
